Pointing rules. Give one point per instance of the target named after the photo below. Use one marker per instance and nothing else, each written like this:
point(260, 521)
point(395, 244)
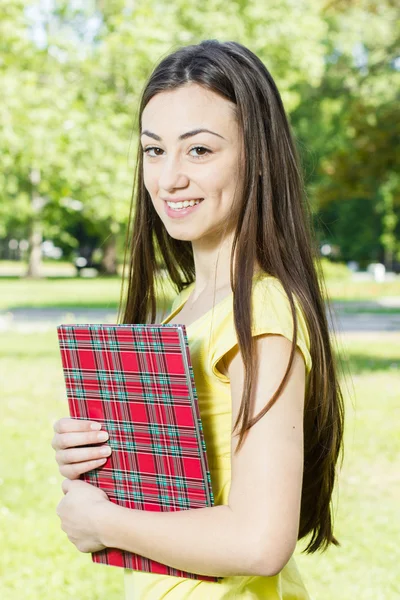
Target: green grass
point(40, 562)
point(344, 290)
point(61, 292)
point(368, 494)
point(355, 310)
point(47, 264)
point(104, 292)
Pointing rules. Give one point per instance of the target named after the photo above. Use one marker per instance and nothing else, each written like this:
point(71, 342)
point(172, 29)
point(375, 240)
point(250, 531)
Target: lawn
point(350, 291)
point(40, 562)
point(63, 292)
point(368, 496)
point(104, 292)
point(60, 292)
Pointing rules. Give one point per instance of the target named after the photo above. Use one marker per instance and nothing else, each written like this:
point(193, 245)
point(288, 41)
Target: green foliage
point(70, 111)
point(353, 225)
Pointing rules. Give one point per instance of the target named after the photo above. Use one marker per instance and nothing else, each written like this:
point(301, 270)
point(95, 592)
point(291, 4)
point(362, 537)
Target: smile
point(182, 209)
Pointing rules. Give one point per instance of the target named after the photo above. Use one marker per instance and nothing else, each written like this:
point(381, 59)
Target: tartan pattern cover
point(138, 382)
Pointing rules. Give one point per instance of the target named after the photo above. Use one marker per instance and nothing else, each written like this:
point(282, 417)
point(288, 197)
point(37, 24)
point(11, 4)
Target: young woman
point(219, 197)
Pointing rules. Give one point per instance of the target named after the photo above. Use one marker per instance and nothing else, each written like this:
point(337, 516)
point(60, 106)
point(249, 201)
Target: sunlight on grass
point(40, 562)
point(100, 292)
point(104, 292)
point(368, 495)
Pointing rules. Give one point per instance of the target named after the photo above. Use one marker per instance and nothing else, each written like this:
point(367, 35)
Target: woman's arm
point(208, 541)
point(256, 533)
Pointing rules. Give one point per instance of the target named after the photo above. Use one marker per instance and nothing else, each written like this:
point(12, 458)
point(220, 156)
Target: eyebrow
point(183, 136)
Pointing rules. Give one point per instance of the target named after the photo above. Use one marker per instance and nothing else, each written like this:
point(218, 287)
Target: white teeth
point(185, 204)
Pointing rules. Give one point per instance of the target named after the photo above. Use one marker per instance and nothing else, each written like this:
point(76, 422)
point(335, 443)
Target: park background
point(71, 74)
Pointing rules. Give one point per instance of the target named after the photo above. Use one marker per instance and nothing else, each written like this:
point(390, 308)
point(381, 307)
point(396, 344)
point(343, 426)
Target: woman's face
point(182, 163)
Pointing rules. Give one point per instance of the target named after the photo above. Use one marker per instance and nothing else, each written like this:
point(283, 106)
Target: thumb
point(69, 484)
point(66, 485)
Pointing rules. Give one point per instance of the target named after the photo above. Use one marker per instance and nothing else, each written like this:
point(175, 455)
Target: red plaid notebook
point(138, 382)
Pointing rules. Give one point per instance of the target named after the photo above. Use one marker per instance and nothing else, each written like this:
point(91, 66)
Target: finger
point(76, 455)
point(61, 441)
point(65, 485)
point(67, 424)
point(74, 471)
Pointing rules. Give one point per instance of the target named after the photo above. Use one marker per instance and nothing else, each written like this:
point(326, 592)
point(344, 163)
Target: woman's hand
point(73, 460)
point(82, 512)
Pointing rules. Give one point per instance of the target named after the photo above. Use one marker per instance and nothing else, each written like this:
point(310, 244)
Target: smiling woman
point(218, 194)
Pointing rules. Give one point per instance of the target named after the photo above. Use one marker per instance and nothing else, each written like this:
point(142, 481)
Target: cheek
point(223, 191)
point(148, 179)
point(222, 177)
point(151, 188)
point(216, 184)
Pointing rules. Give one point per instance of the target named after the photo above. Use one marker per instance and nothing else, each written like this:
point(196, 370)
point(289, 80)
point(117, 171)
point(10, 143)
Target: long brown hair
point(273, 227)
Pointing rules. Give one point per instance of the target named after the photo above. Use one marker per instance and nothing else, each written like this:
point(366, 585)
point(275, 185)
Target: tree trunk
point(389, 223)
point(36, 229)
point(109, 260)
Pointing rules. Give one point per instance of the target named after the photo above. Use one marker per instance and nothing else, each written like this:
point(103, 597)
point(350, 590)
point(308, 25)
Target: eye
point(146, 151)
point(197, 148)
point(207, 151)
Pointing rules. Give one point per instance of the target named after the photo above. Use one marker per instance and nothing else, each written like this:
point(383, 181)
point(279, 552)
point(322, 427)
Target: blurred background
point(71, 74)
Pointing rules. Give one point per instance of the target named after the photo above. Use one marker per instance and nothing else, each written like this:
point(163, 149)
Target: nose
point(171, 175)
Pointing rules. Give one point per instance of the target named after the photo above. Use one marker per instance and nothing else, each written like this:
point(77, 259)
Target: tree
point(74, 73)
point(350, 131)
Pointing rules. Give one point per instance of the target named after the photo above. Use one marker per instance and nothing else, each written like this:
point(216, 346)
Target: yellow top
point(271, 314)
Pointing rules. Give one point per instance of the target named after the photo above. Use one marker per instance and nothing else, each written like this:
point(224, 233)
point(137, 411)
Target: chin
point(184, 236)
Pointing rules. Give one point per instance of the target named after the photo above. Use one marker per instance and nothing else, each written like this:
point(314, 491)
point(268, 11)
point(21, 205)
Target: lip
point(183, 212)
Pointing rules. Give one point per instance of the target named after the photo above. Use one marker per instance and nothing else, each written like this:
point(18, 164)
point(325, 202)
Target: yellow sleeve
point(271, 314)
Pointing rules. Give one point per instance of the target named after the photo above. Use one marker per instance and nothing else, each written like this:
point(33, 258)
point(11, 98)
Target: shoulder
point(271, 314)
point(267, 288)
point(272, 311)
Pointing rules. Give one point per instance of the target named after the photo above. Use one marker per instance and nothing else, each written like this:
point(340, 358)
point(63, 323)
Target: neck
point(212, 264)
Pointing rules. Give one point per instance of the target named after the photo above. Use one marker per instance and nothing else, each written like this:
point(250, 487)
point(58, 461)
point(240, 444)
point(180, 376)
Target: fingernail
point(95, 426)
point(105, 451)
point(102, 436)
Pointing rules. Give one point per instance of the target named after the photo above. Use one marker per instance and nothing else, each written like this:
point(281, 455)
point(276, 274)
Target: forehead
point(185, 107)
